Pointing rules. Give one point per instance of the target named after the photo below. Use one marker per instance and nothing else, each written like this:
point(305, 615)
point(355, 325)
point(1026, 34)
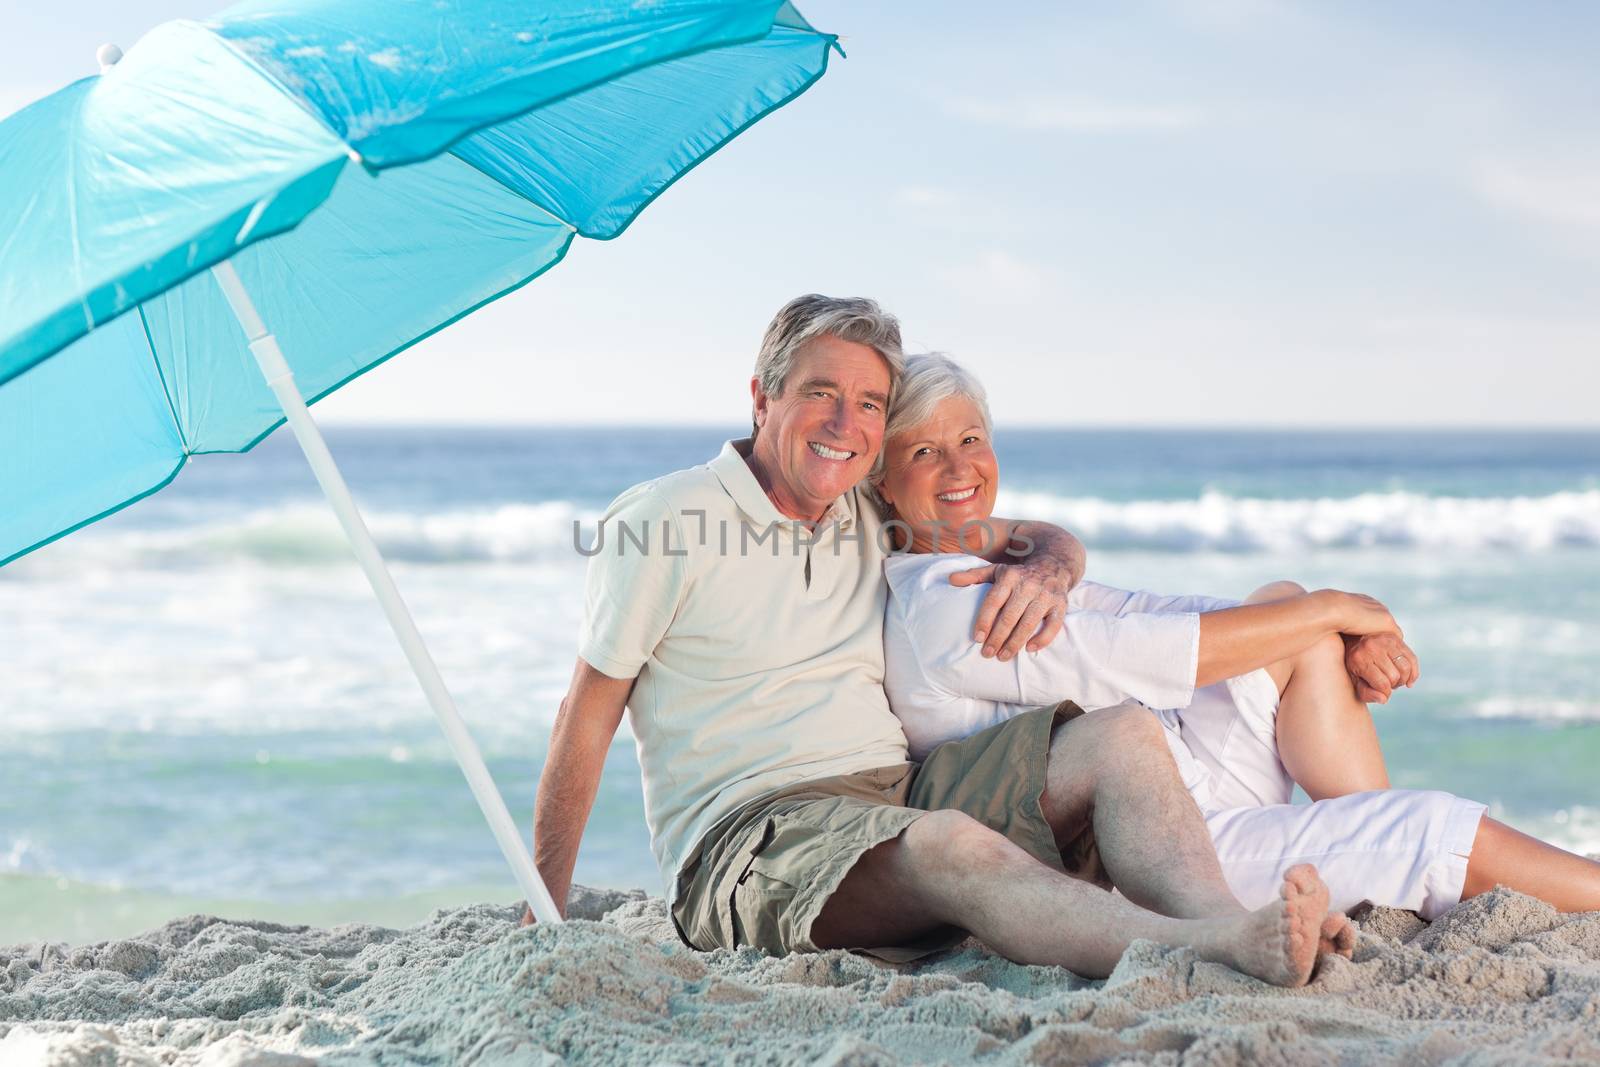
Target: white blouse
point(1115, 646)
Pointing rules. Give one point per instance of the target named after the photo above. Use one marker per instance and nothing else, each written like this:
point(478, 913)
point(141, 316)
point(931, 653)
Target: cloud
point(926, 198)
point(1564, 193)
point(995, 276)
point(1070, 115)
point(1230, 14)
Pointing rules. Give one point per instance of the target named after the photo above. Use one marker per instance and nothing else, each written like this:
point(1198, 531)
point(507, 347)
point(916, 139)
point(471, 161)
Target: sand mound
point(1501, 979)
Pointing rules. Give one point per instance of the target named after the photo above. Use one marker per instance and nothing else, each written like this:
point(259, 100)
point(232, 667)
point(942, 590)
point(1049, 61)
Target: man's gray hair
point(805, 318)
point(930, 378)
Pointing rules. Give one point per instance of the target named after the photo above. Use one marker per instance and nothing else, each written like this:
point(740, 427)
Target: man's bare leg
point(1111, 770)
point(1326, 738)
point(947, 869)
point(1503, 856)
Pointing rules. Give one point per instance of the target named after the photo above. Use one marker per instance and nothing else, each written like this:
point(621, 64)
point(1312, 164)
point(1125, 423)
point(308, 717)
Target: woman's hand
point(1378, 664)
point(1358, 614)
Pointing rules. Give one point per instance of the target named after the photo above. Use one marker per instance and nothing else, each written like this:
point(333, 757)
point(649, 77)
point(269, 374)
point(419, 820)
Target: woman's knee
point(1282, 589)
point(1327, 649)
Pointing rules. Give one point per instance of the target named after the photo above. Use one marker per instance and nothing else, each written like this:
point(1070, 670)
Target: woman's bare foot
point(1278, 943)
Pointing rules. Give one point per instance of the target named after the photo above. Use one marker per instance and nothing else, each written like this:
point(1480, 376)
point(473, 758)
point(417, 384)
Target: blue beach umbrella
point(245, 213)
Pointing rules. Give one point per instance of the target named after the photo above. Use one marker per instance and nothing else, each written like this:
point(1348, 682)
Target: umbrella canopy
point(408, 161)
point(246, 213)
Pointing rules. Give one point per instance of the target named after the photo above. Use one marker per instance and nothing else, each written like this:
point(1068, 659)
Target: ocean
point(203, 709)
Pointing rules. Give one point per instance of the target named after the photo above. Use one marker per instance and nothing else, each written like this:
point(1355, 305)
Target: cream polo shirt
point(757, 644)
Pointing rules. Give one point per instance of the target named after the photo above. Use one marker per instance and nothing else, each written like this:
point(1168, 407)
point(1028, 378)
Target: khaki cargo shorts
point(761, 876)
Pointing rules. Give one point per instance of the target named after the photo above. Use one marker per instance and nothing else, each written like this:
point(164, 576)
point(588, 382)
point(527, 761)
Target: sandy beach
point(1500, 979)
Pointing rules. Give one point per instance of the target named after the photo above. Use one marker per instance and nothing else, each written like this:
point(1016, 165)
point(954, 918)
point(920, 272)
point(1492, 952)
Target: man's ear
point(758, 401)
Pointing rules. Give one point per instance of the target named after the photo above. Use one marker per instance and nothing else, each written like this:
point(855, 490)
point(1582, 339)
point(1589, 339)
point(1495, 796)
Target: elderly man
point(737, 613)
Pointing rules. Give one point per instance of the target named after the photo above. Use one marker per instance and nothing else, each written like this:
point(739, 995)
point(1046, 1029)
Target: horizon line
point(1113, 427)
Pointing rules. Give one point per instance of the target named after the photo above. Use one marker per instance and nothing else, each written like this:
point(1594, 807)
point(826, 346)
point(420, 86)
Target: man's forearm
point(567, 789)
point(560, 814)
point(1027, 540)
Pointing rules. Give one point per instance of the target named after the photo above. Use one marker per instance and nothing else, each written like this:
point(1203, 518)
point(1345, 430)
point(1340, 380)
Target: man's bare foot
point(1338, 936)
point(1279, 942)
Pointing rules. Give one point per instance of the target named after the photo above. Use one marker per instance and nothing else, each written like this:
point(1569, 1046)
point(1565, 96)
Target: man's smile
point(829, 453)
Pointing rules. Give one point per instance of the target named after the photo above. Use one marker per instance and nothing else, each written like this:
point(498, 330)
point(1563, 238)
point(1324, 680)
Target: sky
point(1218, 213)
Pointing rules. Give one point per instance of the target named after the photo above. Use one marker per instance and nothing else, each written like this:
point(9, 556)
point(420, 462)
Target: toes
point(1301, 879)
point(1339, 935)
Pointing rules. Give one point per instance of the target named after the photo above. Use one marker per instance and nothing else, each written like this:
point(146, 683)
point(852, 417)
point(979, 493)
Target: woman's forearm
point(1238, 640)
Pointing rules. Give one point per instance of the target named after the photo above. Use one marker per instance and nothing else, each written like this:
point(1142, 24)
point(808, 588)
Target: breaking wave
point(1216, 522)
point(308, 534)
point(305, 533)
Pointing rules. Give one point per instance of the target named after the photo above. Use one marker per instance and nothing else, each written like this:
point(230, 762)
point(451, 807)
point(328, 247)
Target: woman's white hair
point(930, 378)
point(805, 318)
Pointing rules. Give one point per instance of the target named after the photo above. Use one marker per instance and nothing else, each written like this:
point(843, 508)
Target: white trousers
point(1403, 848)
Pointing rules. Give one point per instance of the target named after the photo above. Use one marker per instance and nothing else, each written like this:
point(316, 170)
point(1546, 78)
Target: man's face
point(821, 435)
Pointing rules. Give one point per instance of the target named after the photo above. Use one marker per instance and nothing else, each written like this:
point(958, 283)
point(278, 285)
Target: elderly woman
point(1255, 697)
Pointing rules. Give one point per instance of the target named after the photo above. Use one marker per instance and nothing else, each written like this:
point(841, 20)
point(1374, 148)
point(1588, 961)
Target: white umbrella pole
point(276, 370)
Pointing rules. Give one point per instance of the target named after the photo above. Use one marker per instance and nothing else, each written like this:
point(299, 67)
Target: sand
point(1500, 979)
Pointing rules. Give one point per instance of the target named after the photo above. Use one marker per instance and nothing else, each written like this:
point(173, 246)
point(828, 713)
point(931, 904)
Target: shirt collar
point(733, 471)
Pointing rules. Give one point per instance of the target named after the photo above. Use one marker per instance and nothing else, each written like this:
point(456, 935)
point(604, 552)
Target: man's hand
point(1028, 600)
point(529, 920)
point(1032, 567)
point(1378, 663)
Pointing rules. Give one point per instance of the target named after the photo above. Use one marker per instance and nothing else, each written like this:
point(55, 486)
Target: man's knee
point(948, 836)
point(1122, 727)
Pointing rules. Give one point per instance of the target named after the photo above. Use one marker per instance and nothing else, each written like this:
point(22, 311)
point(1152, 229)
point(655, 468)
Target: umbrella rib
point(518, 193)
point(172, 407)
point(277, 83)
point(72, 227)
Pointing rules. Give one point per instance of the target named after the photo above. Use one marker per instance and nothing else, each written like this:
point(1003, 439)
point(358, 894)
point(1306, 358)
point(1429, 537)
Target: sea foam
point(1217, 522)
point(304, 532)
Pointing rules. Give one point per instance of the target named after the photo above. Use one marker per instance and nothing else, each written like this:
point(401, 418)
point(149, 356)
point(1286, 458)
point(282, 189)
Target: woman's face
point(943, 471)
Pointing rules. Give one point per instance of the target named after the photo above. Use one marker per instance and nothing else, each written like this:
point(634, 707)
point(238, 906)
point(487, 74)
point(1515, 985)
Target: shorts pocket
point(760, 905)
point(741, 906)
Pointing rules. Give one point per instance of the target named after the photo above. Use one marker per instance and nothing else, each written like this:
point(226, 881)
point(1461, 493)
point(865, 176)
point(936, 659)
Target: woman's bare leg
point(1329, 745)
point(1326, 738)
point(1503, 856)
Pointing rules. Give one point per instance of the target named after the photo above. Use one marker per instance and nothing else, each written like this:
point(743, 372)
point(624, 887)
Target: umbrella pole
point(264, 346)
